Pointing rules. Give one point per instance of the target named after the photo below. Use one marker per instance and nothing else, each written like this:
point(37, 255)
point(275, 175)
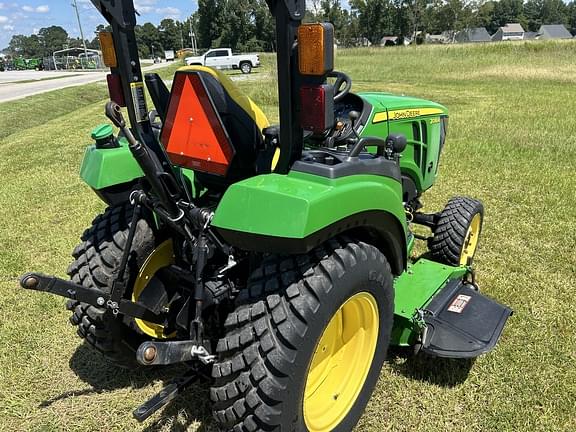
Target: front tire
point(457, 232)
point(285, 361)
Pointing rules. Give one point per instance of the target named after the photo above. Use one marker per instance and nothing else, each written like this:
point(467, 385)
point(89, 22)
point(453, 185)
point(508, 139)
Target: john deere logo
point(405, 114)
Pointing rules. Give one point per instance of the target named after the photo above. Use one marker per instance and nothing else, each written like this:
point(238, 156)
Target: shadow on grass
point(442, 372)
point(193, 405)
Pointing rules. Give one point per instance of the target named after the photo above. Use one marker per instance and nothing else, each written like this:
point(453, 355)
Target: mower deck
point(462, 323)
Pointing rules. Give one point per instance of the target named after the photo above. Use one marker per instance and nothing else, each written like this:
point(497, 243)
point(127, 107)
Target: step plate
point(462, 322)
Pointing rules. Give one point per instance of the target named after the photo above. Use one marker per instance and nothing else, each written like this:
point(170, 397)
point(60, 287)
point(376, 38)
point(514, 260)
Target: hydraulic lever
point(164, 185)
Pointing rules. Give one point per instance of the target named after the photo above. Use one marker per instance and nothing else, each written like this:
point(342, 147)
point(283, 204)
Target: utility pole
point(75, 6)
point(193, 38)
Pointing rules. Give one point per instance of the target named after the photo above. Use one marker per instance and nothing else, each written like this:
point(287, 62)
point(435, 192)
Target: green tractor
point(273, 262)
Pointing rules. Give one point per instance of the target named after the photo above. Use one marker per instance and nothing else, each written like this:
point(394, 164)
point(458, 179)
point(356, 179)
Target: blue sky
point(28, 16)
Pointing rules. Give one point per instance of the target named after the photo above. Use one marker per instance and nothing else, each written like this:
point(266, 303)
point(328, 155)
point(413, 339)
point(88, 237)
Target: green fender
point(294, 213)
point(102, 168)
point(112, 171)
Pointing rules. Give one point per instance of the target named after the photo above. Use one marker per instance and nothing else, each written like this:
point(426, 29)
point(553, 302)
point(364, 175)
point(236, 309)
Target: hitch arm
point(92, 296)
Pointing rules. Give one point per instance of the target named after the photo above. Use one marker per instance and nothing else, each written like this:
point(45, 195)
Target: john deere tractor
point(272, 261)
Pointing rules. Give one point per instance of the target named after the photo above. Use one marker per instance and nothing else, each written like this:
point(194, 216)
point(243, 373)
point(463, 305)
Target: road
point(20, 84)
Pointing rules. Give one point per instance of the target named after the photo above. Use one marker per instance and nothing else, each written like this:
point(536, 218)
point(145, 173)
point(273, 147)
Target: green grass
point(511, 143)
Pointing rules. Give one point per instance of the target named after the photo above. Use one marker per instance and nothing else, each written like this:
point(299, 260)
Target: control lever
point(163, 184)
point(354, 116)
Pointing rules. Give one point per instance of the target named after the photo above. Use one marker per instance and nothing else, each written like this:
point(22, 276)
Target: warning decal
point(459, 303)
point(139, 100)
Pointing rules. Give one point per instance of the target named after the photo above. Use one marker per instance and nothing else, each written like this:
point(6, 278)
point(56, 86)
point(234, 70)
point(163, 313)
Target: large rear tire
point(304, 347)
point(96, 265)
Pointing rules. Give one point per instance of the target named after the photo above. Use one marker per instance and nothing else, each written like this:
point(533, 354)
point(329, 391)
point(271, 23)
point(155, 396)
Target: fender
point(103, 168)
point(294, 213)
point(111, 173)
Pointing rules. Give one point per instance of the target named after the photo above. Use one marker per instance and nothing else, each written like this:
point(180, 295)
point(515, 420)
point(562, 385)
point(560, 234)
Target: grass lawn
point(511, 143)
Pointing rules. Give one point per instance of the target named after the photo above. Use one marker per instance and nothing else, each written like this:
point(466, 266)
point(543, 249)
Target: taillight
point(193, 133)
point(317, 113)
point(115, 89)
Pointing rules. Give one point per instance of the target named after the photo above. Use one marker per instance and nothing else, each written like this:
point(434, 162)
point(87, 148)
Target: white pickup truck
point(222, 58)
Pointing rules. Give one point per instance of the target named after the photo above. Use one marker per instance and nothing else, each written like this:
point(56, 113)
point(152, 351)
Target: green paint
point(299, 204)
point(102, 168)
point(414, 289)
point(391, 101)
point(421, 158)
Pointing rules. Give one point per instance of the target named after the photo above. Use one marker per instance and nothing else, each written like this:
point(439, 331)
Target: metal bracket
point(167, 394)
point(165, 353)
point(92, 296)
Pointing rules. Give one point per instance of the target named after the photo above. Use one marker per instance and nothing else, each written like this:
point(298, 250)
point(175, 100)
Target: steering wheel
point(341, 78)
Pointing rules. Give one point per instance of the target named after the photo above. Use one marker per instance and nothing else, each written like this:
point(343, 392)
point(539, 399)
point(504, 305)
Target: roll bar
point(121, 15)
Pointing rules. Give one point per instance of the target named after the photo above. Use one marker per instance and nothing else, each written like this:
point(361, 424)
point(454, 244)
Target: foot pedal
point(164, 397)
point(462, 323)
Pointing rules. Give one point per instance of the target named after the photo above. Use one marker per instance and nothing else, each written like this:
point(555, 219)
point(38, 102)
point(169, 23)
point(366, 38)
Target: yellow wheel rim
point(471, 239)
point(341, 363)
point(160, 257)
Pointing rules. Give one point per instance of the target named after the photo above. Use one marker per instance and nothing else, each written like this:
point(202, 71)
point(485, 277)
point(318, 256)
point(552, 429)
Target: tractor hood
point(393, 107)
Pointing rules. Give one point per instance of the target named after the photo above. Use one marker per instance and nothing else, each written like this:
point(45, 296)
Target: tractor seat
point(212, 127)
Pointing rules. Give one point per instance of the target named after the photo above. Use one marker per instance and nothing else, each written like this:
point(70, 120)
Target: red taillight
point(193, 133)
point(115, 89)
point(317, 107)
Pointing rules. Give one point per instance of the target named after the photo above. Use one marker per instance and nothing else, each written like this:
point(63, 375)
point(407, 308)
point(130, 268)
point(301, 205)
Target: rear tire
point(246, 67)
point(270, 356)
point(457, 232)
point(96, 265)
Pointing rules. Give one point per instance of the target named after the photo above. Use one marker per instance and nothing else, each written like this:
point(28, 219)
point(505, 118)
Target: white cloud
point(144, 9)
point(169, 12)
point(39, 9)
point(3, 19)
point(8, 27)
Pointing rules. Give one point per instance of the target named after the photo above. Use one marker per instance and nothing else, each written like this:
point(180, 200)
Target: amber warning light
point(108, 50)
point(193, 134)
point(316, 49)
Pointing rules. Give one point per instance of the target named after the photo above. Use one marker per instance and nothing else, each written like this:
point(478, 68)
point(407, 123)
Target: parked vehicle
point(222, 58)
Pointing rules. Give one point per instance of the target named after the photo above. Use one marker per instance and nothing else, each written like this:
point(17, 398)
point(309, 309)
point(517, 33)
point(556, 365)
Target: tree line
point(247, 25)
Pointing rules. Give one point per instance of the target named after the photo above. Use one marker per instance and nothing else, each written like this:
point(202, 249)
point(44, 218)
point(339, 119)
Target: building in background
point(512, 31)
point(553, 31)
point(478, 34)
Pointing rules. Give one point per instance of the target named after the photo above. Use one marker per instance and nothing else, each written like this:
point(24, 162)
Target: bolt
point(100, 301)
point(71, 292)
point(31, 282)
point(150, 353)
